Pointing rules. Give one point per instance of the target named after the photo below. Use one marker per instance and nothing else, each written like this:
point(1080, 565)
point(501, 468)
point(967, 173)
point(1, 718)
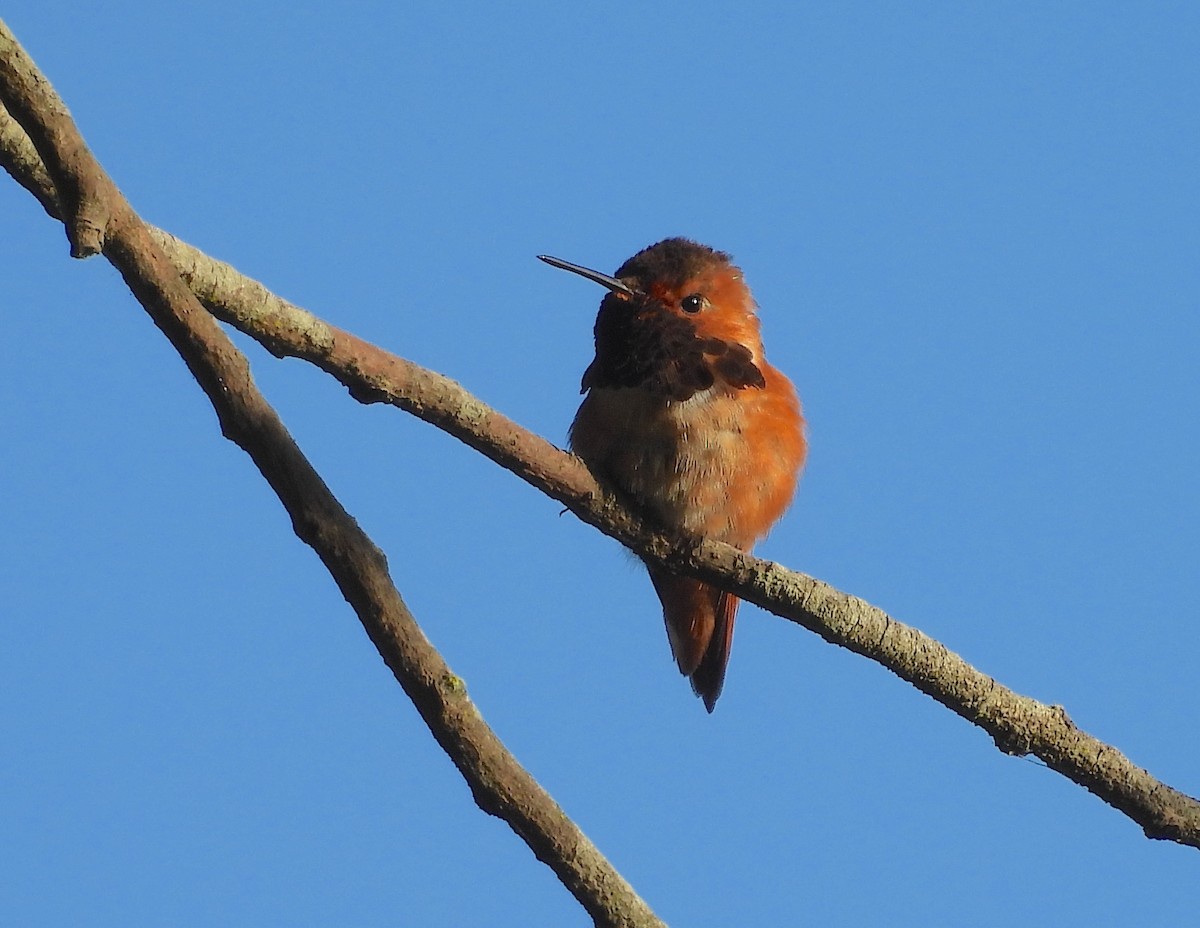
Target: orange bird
point(685, 418)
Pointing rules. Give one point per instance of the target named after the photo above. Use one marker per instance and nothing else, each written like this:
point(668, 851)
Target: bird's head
point(678, 316)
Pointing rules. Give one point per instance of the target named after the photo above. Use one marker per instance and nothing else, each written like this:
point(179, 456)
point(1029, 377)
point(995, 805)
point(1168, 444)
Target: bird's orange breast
point(721, 464)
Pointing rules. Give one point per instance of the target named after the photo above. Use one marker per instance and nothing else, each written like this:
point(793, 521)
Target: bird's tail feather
point(699, 620)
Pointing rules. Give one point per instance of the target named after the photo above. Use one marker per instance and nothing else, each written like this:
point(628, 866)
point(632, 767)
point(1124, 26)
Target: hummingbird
point(685, 419)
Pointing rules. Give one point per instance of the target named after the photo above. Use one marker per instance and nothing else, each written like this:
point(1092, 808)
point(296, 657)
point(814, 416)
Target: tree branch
point(1019, 725)
point(499, 784)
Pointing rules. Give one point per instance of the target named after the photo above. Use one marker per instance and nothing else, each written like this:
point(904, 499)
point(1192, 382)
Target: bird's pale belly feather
point(682, 459)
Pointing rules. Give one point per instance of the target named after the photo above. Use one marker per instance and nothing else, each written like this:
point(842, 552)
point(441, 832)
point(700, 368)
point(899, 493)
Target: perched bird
point(684, 416)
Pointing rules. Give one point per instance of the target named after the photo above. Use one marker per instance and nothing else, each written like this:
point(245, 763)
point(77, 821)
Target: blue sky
point(972, 233)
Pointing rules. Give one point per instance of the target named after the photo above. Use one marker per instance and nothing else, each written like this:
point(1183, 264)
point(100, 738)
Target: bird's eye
point(692, 303)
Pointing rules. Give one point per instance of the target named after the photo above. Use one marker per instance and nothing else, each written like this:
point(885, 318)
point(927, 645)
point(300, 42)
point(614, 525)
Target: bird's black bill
point(604, 280)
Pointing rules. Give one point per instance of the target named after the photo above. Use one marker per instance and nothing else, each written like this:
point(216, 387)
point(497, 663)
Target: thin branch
point(1019, 725)
point(31, 100)
point(499, 784)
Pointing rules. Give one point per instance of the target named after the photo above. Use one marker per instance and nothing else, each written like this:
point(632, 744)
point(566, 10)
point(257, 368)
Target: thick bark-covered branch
point(1018, 724)
point(500, 785)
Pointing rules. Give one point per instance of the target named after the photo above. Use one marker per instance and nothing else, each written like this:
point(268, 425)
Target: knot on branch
point(86, 231)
